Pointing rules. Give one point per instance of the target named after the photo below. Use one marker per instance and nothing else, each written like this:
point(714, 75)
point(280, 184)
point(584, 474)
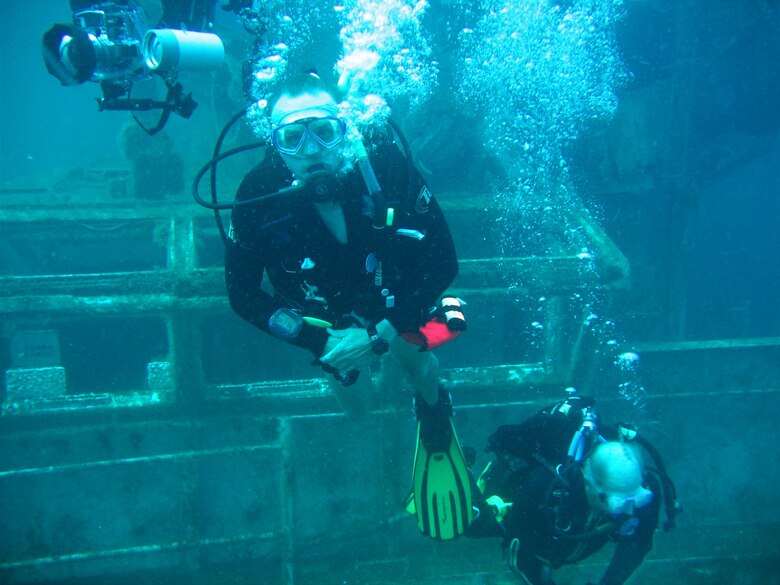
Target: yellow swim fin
point(441, 488)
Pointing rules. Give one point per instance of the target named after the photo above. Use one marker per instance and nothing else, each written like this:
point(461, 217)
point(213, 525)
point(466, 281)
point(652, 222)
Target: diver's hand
point(348, 349)
point(330, 343)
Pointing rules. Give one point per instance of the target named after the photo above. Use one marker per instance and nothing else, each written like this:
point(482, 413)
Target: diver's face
point(308, 134)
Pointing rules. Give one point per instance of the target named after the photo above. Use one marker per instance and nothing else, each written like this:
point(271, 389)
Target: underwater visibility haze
point(608, 170)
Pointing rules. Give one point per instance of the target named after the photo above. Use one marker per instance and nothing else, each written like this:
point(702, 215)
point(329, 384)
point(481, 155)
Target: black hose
point(671, 505)
point(213, 165)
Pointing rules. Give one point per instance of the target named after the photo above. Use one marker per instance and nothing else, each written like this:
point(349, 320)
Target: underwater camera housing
point(110, 44)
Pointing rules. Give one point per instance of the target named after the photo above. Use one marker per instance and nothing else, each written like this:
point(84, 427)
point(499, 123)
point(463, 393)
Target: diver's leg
point(355, 399)
point(421, 367)
point(440, 477)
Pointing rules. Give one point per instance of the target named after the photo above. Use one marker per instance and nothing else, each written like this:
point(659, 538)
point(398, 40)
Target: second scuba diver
point(560, 488)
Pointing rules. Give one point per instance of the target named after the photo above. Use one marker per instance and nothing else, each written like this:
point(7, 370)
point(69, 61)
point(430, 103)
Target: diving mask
point(327, 132)
point(617, 504)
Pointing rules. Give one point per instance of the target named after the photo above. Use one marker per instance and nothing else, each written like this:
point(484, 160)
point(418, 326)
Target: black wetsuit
point(311, 271)
point(551, 519)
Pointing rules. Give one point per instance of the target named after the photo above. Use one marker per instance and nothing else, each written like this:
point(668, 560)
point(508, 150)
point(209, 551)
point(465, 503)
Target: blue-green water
point(656, 121)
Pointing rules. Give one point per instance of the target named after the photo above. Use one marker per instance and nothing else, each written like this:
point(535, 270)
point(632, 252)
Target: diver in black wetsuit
point(558, 491)
point(357, 250)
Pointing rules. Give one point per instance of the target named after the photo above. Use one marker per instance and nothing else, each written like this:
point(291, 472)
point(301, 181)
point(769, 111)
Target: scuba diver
point(358, 254)
point(560, 488)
